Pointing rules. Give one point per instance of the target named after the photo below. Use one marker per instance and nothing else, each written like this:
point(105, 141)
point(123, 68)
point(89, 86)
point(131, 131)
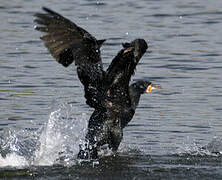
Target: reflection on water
point(175, 133)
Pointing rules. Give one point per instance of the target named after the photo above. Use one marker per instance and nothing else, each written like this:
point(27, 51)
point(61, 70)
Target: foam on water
point(55, 143)
point(13, 160)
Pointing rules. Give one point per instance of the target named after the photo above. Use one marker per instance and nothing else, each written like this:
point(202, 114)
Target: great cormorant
point(108, 92)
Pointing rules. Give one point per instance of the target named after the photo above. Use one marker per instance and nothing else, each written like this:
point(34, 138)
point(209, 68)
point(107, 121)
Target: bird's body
point(108, 92)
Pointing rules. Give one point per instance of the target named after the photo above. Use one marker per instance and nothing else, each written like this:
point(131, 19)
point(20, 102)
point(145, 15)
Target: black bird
point(108, 92)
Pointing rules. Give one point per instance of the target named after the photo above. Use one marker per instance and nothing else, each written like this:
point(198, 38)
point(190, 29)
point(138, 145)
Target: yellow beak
point(151, 87)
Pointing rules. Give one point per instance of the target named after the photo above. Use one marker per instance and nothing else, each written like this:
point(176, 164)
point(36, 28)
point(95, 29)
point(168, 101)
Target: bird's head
point(142, 87)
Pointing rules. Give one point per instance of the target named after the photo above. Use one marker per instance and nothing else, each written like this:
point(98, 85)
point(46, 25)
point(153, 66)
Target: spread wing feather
point(68, 42)
point(122, 68)
point(61, 34)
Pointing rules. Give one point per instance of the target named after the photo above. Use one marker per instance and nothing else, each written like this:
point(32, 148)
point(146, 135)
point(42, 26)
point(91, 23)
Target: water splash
point(13, 160)
point(17, 146)
point(213, 148)
point(57, 142)
point(61, 138)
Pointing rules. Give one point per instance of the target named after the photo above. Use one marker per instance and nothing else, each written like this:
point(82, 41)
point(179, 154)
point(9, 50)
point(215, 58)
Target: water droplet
point(95, 163)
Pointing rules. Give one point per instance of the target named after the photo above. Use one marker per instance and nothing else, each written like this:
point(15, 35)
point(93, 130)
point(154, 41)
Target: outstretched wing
point(122, 68)
point(68, 42)
point(65, 40)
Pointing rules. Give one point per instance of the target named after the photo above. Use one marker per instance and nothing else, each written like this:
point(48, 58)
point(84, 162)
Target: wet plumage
point(108, 92)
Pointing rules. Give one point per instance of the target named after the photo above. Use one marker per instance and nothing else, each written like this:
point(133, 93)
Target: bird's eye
point(97, 51)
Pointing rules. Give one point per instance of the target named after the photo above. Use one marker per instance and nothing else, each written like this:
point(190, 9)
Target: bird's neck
point(134, 96)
